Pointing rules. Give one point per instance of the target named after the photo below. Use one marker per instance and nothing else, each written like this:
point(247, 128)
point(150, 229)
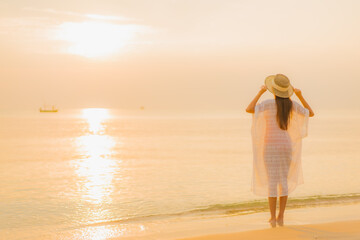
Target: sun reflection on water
point(95, 118)
point(95, 146)
point(96, 168)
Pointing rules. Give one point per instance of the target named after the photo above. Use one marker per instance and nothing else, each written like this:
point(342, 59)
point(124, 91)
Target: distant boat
point(52, 109)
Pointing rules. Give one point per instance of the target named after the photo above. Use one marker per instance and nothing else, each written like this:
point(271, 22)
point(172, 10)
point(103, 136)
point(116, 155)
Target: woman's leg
point(272, 206)
point(285, 166)
point(280, 218)
point(271, 170)
point(282, 199)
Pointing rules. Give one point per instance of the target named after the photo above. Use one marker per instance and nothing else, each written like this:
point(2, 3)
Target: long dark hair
point(283, 115)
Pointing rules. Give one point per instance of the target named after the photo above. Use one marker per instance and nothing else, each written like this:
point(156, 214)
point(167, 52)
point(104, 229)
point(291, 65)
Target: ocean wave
point(242, 208)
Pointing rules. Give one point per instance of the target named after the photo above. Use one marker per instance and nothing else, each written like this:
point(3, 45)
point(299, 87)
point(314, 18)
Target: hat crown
point(279, 85)
point(282, 81)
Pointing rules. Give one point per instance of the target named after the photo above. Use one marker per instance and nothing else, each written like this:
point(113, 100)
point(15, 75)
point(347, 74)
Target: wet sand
point(327, 222)
point(349, 230)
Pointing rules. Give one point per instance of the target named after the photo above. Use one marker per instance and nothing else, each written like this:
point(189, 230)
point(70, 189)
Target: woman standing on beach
point(278, 127)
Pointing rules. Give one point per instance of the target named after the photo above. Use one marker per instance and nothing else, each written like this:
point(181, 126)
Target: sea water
point(62, 174)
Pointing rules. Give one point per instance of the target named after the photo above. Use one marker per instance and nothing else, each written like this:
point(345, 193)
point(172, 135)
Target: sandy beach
point(338, 230)
point(331, 222)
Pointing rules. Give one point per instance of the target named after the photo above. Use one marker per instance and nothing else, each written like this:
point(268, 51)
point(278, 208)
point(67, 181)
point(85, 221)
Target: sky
point(176, 54)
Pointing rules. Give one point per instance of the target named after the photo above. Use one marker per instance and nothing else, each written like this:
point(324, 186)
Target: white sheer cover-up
point(277, 167)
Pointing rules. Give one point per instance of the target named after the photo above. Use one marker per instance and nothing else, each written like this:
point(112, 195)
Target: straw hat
point(279, 85)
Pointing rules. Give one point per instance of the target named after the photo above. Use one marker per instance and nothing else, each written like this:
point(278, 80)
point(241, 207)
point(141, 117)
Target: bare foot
point(272, 222)
point(280, 221)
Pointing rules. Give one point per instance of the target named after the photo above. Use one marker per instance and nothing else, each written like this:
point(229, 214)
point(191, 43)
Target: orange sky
point(177, 54)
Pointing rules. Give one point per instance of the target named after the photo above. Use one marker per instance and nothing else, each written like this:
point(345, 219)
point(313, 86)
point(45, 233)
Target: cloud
point(75, 14)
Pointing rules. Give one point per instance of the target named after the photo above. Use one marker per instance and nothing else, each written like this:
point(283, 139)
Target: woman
point(278, 127)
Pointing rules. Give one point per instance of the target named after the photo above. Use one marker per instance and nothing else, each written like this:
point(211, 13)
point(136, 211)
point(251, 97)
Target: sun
point(95, 38)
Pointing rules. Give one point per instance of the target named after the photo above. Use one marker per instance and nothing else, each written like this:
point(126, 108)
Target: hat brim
point(282, 94)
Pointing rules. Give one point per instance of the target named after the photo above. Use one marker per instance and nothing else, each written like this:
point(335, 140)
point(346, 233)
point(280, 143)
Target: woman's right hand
point(263, 89)
point(251, 107)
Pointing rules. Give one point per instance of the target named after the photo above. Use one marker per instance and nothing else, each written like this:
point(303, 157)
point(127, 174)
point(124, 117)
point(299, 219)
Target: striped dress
point(277, 152)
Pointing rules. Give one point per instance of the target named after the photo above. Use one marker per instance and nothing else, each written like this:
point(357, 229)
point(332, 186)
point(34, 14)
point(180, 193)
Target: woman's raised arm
point(251, 107)
point(303, 101)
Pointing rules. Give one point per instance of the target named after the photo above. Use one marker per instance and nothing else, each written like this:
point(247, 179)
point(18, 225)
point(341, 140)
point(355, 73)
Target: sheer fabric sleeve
point(260, 107)
point(299, 120)
point(297, 129)
point(259, 179)
point(300, 109)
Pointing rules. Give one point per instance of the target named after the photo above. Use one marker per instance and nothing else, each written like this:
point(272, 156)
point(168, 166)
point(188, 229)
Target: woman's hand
point(297, 91)
point(251, 107)
point(303, 101)
point(263, 89)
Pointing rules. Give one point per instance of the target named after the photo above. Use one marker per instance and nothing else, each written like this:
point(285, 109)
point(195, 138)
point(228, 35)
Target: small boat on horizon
point(52, 109)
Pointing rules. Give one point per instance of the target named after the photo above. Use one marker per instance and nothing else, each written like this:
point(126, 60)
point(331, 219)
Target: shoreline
point(300, 224)
point(255, 226)
point(326, 222)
